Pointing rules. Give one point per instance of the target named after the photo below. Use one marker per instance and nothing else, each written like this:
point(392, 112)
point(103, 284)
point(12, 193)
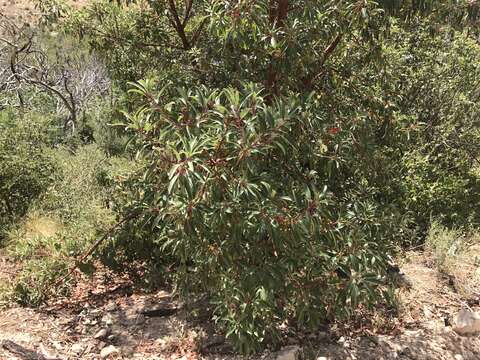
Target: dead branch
point(70, 79)
point(94, 246)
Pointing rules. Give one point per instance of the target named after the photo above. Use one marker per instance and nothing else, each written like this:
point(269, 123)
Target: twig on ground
point(92, 248)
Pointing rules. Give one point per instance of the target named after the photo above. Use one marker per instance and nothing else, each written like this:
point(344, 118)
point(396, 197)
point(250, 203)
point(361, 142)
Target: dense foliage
point(26, 170)
point(227, 189)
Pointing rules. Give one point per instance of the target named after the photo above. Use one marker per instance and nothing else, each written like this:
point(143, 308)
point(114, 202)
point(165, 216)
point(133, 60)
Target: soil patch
point(106, 312)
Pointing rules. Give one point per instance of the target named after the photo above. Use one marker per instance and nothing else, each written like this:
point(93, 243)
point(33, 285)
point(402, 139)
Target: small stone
point(107, 319)
point(140, 319)
point(427, 312)
point(76, 348)
point(56, 345)
point(398, 348)
point(111, 306)
point(111, 337)
point(288, 353)
point(458, 357)
point(322, 358)
point(467, 322)
point(322, 335)
point(45, 354)
point(107, 351)
point(102, 333)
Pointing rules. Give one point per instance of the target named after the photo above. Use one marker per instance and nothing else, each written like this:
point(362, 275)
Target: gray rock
point(288, 353)
point(467, 322)
point(107, 319)
point(108, 350)
point(77, 348)
point(46, 355)
point(111, 306)
point(102, 333)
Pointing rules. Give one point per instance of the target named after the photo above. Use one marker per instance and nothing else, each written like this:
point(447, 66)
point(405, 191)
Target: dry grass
point(41, 226)
point(457, 257)
point(465, 272)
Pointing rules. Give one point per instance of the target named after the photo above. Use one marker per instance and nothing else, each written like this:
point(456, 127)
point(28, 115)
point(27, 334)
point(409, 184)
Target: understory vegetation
point(272, 156)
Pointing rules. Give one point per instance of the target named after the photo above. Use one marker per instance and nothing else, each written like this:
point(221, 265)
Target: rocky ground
point(106, 318)
point(26, 12)
point(21, 11)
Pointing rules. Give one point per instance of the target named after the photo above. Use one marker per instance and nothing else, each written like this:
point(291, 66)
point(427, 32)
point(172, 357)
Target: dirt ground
point(25, 12)
point(22, 11)
point(107, 313)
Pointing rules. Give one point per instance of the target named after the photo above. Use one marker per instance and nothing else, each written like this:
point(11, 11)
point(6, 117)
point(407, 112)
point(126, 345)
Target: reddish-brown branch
point(278, 14)
point(330, 49)
point(282, 12)
point(320, 66)
point(95, 245)
point(178, 25)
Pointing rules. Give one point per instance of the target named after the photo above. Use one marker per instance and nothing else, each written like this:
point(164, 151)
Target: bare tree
point(70, 78)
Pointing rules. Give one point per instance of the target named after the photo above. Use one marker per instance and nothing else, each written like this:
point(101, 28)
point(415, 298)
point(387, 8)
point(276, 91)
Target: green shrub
point(435, 177)
point(26, 169)
point(448, 195)
point(224, 193)
point(61, 224)
point(36, 280)
point(76, 193)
